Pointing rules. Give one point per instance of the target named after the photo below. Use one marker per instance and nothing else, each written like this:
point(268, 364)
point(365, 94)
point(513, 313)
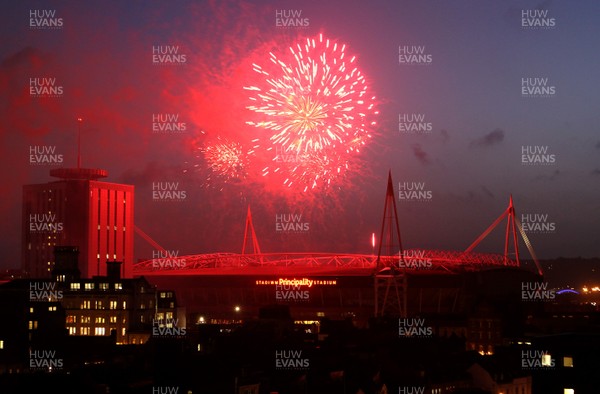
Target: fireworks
point(226, 160)
point(314, 104)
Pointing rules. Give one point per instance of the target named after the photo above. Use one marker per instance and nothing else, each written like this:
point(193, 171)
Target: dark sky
point(470, 95)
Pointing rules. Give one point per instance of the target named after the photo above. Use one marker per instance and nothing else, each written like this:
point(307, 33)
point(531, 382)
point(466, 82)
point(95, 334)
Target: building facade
point(79, 210)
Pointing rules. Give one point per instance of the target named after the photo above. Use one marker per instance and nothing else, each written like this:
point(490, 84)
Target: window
point(60, 278)
point(163, 294)
point(568, 361)
point(123, 331)
point(141, 318)
point(547, 360)
point(171, 305)
point(72, 330)
point(1, 344)
point(100, 331)
point(103, 286)
point(33, 324)
point(71, 319)
point(118, 286)
point(569, 391)
point(124, 304)
point(142, 306)
point(52, 308)
point(113, 305)
point(169, 315)
point(100, 320)
point(99, 305)
point(86, 319)
point(113, 319)
point(75, 286)
point(89, 286)
point(85, 331)
point(87, 304)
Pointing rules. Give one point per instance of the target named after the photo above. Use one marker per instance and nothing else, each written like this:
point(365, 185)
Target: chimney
point(113, 270)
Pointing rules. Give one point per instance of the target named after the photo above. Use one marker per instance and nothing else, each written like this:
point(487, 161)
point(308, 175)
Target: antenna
point(79, 120)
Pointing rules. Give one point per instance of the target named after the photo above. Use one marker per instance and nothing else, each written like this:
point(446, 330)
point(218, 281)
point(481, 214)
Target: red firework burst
point(313, 103)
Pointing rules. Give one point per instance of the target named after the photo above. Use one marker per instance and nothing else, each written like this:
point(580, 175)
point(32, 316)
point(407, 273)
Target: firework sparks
point(313, 103)
point(226, 160)
point(307, 170)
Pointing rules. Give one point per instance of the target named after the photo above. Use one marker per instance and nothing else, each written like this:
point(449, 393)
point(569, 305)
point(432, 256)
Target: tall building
point(79, 210)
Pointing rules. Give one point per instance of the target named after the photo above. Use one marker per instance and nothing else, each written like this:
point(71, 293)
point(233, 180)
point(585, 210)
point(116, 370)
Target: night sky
point(468, 89)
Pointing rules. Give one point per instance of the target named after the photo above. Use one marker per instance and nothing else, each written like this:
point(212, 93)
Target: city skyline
point(479, 138)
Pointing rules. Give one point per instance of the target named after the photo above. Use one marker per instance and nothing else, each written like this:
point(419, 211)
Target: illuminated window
point(86, 319)
point(321, 314)
point(103, 286)
point(546, 360)
point(124, 304)
point(52, 308)
point(123, 331)
point(169, 315)
point(71, 319)
point(33, 324)
point(72, 330)
point(100, 320)
point(568, 361)
point(86, 304)
point(118, 286)
point(85, 331)
point(99, 305)
point(141, 318)
point(113, 319)
point(113, 305)
point(100, 331)
point(160, 316)
point(75, 286)
point(60, 278)
point(163, 294)
point(1, 344)
point(171, 305)
point(569, 391)
point(142, 306)
point(30, 309)
point(89, 286)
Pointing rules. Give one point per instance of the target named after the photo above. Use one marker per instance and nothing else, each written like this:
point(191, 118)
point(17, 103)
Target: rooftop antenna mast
point(79, 120)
